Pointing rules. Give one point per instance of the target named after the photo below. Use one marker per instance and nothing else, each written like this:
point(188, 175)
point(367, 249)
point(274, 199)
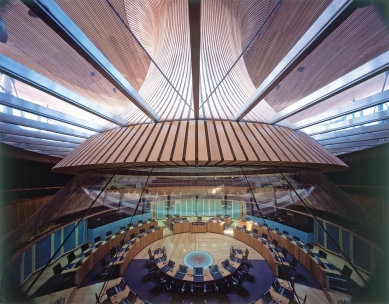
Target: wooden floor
point(177, 246)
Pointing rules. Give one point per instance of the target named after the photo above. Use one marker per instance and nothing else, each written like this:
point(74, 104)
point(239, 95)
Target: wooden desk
point(98, 253)
point(215, 227)
point(198, 227)
point(181, 227)
point(207, 277)
point(277, 298)
point(319, 272)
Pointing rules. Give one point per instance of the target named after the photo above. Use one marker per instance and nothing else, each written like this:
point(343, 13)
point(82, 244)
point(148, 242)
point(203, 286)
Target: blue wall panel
point(70, 244)
point(333, 232)
point(346, 243)
point(81, 229)
point(362, 256)
point(27, 263)
point(42, 252)
point(14, 274)
point(320, 234)
point(57, 243)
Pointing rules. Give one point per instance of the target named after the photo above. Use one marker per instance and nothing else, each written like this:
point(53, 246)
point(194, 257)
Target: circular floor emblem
point(198, 258)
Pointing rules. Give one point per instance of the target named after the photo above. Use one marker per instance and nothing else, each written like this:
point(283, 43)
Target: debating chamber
point(194, 151)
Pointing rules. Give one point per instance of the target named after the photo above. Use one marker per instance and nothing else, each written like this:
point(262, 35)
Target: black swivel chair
point(237, 281)
point(340, 282)
point(59, 278)
point(222, 289)
point(105, 269)
point(112, 252)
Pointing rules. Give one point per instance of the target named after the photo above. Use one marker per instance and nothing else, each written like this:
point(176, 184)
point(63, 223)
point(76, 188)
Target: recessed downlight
point(301, 69)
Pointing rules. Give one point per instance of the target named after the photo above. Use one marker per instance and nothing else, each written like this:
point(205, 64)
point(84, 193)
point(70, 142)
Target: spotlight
point(93, 74)
point(301, 69)
point(278, 87)
point(3, 32)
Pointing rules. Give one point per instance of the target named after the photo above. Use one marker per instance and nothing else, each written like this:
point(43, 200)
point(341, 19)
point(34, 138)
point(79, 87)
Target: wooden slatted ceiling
point(203, 143)
point(362, 37)
point(32, 43)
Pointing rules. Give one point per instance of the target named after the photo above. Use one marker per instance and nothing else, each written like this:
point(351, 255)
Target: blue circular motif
point(198, 258)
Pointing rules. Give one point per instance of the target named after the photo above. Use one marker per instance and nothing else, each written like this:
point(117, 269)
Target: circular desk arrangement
point(198, 258)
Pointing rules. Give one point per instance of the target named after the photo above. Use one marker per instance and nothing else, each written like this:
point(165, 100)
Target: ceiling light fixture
point(278, 87)
point(114, 90)
point(93, 74)
point(301, 69)
point(3, 32)
point(32, 14)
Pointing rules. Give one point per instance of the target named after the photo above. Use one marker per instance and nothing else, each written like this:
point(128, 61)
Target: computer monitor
point(226, 263)
point(97, 239)
point(296, 238)
point(232, 256)
point(132, 235)
point(152, 227)
point(198, 271)
point(214, 269)
point(108, 233)
point(199, 218)
point(184, 219)
point(171, 264)
point(285, 232)
point(71, 257)
point(284, 252)
point(255, 231)
point(57, 269)
point(142, 230)
point(310, 246)
point(140, 222)
point(132, 296)
point(84, 247)
point(276, 284)
point(275, 243)
point(264, 235)
point(122, 284)
point(323, 254)
point(182, 269)
point(267, 297)
point(122, 228)
point(277, 228)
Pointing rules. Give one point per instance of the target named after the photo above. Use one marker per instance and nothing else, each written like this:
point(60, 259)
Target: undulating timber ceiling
point(71, 69)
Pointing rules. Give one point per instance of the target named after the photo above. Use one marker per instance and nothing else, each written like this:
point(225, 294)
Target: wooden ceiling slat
point(230, 143)
point(247, 148)
point(122, 136)
point(131, 144)
point(202, 148)
point(178, 155)
point(253, 142)
point(104, 148)
point(127, 137)
point(225, 147)
point(167, 152)
point(215, 153)
point(190, 152)
point(138, 146)
point(149, 145)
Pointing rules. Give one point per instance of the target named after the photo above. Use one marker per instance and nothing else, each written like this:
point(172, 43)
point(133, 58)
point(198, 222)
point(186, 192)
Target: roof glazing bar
point(378, 116)
point(30, 107)
point(351, 132)
point(11, 129)
point(36, 141)
point(368, 70)
point(380, 135)
point(329, 20)
point(356, 106)
point(63, 25)
point(36, 80)
point(30, 123)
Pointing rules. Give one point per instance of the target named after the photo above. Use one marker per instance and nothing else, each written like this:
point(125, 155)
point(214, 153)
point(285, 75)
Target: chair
point(97, 299)
point(177, 287)
point(112, 252)
point(285, 252)
point(340, 282)
point(153, 272)
point(245, 258)
point(237, 251)
point(290, 271)
point(237, 281)
point(106, 268)
point(222, 289)
point(59, 278)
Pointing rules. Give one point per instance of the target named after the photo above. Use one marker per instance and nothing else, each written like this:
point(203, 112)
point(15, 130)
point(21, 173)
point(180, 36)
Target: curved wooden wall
point(202, 143)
